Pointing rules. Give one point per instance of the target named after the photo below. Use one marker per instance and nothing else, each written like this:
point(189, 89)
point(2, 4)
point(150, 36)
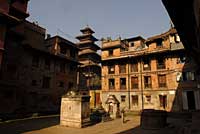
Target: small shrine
point(75, 110)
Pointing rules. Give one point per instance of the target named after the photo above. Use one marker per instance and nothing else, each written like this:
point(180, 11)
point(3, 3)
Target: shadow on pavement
point(23, 126)
point(139, 130)
point(131, 131)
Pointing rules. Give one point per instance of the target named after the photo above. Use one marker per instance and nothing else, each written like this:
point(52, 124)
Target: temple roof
point(85, 36)
point(87, 29)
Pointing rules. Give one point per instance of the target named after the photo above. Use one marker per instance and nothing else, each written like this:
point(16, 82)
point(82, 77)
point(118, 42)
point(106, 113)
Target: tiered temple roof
point(88, 48)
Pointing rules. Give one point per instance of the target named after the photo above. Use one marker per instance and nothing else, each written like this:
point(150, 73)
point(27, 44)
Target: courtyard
point(50, 125)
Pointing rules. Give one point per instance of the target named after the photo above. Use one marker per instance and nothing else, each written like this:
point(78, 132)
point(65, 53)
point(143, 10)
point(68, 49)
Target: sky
point(108, 18)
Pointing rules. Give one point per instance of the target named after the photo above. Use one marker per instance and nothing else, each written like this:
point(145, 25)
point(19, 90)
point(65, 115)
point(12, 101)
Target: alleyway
point(50, 125)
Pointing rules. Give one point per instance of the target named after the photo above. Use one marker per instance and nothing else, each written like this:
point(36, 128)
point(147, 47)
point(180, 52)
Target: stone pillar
point(75, 111)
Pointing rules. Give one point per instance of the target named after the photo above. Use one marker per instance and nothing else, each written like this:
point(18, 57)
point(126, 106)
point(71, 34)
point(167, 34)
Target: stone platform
point(75, 111)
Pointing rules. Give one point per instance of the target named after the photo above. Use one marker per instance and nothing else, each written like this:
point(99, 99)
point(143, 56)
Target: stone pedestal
point(75, 111)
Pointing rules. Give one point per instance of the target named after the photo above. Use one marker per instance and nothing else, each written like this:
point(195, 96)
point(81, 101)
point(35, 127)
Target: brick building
point(35, 71)
point(188, 29)
point(90, 69)
point(12, 12)
point(153, 73)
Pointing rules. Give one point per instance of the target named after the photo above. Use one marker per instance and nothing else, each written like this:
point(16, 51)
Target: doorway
point(191, 100)
point(163, 101)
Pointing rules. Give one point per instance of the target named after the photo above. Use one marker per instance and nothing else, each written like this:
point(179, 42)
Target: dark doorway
point(163, 101)
point(97, 98)
point(110, 108)
point(191, 100)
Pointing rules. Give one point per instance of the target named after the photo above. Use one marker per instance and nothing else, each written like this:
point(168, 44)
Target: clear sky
point(108, 18)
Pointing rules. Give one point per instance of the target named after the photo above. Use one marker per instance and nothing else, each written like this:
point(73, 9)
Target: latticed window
point(187, 76)
point(47, 63)
point(111, 84)
point(122, 68)
point(160, 63)
point(134, 82)
point(162, 80)
point(62, 67)
point(46, 82)
point(146, 64)
point(111, 69)
point(35, 61)
point(34, 83)
point(134, 100)
point(110, 52)
point(148, 98)
point(63, 50)
point(134, 67)
point(163, 101)
point(159, 43)
point(61, 84)
point(122, 83)
point(70, 85)
point(147, 81)
point(72, 53)
point(123, 98)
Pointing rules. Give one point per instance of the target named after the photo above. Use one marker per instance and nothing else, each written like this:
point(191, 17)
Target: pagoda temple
point(89, 70)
